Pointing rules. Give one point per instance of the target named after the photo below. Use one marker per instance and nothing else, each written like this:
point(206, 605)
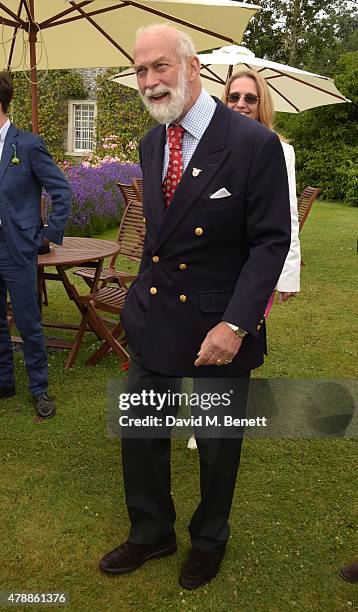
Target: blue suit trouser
point(21, 284)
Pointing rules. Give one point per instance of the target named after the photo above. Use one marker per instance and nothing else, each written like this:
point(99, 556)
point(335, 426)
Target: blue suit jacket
point(20, 195)
point(232, 263)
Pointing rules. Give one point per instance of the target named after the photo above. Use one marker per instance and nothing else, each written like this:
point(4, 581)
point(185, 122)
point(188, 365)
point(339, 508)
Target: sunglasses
point(250, 99)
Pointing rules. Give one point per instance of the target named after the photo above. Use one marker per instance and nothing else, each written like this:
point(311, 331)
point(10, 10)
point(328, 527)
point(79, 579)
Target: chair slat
point(305, 202)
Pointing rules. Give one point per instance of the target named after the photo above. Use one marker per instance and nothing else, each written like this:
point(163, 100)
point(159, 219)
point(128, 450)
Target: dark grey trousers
point(146, 465)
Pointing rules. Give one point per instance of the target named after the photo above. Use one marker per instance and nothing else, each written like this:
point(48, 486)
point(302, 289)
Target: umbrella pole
point(34, 92)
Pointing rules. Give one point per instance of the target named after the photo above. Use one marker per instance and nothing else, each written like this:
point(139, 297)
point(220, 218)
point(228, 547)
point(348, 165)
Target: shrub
point(325, 139)
point(120, 115)
point(55, 88)
point(97, 201)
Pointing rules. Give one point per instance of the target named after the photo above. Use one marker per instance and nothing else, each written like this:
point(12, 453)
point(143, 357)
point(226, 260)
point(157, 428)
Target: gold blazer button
point(183, 298)
point(155, 258)
point(182, 266)
point(153, 290)
point(199, 231)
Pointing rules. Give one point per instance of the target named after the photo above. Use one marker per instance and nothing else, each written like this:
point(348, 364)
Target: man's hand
point(283, 296)
point(221, 344)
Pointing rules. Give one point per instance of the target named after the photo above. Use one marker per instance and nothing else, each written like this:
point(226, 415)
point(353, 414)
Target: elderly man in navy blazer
point(217, 212)
point(25, 168)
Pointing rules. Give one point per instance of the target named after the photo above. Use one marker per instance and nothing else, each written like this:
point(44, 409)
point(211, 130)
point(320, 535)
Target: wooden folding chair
point(304, 205)
point(129, 192)
point(109, 300)
point(305, 202)
point(131, 239)
point(138, 186)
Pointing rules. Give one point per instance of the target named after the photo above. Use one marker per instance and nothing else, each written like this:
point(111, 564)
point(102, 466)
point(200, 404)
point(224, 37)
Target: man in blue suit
point(25, 168)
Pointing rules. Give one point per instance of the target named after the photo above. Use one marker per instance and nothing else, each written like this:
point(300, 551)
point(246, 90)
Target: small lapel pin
point(195, 171)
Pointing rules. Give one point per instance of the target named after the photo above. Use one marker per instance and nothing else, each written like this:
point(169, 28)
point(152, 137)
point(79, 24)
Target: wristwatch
point(238, 331)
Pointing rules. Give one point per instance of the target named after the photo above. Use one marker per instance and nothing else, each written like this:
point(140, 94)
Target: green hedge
point(120, 112)
point(325, 139)
point(54, 90)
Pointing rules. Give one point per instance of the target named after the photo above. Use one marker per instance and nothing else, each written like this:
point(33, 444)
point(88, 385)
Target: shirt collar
point(4, 129)
point(199, 115)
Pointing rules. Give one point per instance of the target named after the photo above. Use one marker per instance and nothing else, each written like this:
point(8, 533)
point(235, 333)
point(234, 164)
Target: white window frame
point(71, 149)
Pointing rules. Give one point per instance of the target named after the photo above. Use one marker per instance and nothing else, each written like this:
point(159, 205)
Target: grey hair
point(185, 45)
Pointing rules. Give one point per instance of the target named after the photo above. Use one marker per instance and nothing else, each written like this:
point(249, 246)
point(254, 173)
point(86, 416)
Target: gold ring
point(228, 361)
point(219, 361)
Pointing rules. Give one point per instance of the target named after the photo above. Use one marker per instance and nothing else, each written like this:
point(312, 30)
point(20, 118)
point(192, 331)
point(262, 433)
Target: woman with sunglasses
point(247, 93)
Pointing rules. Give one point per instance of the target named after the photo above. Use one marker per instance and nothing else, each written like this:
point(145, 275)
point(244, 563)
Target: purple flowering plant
point(97, 200)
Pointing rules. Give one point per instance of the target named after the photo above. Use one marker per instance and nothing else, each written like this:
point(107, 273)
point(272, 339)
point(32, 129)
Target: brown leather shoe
point(200, 567)
point(45, 406)
point(349, 572)
point(128, 556)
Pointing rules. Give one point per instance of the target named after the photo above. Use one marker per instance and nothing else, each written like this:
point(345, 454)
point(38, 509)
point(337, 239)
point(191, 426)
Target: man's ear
point(194, 67)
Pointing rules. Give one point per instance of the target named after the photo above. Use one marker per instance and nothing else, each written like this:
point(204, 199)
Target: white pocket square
point(220, 193)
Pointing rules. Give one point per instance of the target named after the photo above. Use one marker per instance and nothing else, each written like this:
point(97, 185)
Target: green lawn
point(294, 513)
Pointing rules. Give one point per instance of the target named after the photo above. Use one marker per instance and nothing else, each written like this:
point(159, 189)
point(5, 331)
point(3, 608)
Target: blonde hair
point(266, 111)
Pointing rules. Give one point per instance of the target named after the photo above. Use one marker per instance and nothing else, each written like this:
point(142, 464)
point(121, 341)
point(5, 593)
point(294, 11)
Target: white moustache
point(156, 91)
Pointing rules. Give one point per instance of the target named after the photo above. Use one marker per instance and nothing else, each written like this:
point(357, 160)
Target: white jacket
point(290, 275)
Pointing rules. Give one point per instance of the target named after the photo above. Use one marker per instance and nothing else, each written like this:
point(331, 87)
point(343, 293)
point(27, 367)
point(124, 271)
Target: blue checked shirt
point(195, 123)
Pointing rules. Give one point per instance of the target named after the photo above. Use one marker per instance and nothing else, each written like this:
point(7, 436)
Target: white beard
point(167, 112)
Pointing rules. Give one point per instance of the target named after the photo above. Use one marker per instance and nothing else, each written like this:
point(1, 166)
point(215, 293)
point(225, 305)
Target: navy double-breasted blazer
point(210, 260)
point(20, 195)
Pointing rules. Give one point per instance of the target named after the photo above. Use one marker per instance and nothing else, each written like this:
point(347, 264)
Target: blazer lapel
point(153, 159)
point(8, 151)
point(209, 156)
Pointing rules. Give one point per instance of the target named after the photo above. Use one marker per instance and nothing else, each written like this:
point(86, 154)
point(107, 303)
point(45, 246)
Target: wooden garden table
point(72, 253)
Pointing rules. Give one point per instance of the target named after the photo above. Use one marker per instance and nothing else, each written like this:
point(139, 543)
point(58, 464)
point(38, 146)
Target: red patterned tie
point(175, 165)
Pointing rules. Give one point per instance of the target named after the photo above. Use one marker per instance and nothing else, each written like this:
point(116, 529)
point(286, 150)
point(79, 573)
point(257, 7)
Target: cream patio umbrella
point(49, 34)
point(293, 90)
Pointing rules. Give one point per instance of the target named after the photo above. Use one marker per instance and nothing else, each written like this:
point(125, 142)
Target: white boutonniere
point(15, 160)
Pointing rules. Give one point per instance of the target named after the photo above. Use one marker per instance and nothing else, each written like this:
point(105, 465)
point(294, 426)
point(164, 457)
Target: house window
point(81, 126)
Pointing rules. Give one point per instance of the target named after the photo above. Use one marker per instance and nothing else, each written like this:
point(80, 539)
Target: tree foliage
point(325, 139)
point(308, 34)
point(319, 36)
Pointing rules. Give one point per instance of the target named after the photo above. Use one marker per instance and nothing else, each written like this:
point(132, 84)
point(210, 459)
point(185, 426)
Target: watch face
point(241, 333)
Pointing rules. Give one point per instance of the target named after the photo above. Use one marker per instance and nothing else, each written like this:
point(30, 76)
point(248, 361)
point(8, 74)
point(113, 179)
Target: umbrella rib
point(181, 21)
point(13, 15)
point(12, 46)
point(109, 38)
point(48, 22)
point(213, 79)
point(217, 78)
point(309, 85)
point(28, 12)
point(51, 23)
point(7, 22)
point(284, 97)
point(127, 73)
